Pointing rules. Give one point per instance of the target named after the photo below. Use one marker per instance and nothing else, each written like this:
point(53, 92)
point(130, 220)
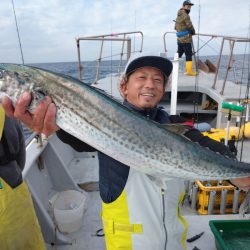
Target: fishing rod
point(246, 108)
point(20, 44)
point(247, 100)
point(195, 112)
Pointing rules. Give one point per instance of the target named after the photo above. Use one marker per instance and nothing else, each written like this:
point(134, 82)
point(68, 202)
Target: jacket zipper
point(163, 218)
point(163, 206)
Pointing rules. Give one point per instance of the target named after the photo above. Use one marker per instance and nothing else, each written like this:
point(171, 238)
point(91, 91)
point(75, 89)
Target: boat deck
point(84, 169)
point(85, 238)
point(204, 81)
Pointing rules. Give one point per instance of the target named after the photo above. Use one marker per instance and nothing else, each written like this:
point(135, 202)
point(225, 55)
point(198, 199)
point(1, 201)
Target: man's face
point(187, 7)
point(145, 87)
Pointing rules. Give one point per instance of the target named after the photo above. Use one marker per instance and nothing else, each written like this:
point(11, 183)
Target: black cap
point(187, 2)
point(140, 61)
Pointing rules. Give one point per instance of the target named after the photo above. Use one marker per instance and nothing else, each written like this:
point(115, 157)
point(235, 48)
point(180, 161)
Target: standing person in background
point(19, 228)
point(185, 31)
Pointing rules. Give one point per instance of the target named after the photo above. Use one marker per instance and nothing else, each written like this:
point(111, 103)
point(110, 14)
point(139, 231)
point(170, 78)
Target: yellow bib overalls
point(19, 228)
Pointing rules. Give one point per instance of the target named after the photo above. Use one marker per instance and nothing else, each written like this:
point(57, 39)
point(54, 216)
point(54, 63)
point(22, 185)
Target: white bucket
point(68, 208)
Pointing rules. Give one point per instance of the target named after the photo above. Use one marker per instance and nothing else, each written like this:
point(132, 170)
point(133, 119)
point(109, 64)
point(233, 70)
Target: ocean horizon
point(238, 73)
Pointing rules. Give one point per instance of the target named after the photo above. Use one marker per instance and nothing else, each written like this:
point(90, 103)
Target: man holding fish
point(139, 211)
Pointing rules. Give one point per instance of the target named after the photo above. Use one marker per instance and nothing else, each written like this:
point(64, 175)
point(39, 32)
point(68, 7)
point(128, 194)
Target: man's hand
point(43, 120)
point(242, 183)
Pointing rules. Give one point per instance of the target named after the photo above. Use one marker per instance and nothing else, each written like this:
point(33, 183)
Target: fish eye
point(40, 91)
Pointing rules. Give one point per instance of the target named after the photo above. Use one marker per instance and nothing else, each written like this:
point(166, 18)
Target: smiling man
point(137, 208)
point(144, 80)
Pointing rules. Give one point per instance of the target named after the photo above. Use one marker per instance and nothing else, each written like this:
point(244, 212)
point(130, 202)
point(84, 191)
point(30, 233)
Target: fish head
point(14, 80)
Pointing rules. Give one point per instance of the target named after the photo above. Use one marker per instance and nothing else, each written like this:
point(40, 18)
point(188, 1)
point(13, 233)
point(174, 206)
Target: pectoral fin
point(176, 128)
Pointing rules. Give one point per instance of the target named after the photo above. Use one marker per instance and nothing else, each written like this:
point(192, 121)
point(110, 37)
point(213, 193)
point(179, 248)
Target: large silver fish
point(95, 118)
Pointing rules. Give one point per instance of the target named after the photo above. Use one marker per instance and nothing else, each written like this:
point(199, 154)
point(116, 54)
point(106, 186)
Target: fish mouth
point(1, 73)
point(2, 76)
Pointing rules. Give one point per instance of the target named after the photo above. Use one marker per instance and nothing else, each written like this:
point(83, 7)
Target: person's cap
point(187, 2)
point(155, 61)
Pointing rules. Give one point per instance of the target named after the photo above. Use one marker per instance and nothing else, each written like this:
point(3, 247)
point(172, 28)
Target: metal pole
point(194, 196)
point(129, 48)
point(238, 118)
point(79, 59)
point(107, 37)
point(211, 202)
point(98, 63)
point(247, 113)
point(236, 201)
point(218, 64)
point(228, 65)
point(174, 89)
point(223, 201)
point(195, 59)
point(120, 62)
point(228, 127)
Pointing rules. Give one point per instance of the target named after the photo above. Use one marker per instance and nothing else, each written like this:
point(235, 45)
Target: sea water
point(238, 73)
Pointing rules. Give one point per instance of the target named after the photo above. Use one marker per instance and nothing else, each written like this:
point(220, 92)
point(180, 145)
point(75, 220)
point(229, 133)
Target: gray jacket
point(12, 153)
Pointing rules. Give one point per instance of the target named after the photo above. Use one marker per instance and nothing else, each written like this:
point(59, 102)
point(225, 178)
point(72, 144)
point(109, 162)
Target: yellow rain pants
point(19, 228)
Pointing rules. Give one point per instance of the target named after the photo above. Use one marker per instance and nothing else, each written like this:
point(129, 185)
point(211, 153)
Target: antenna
point(20, 45)
point(134, 30)
point(243, 122)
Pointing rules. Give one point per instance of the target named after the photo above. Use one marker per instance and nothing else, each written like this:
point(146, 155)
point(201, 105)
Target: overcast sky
point(48, 28)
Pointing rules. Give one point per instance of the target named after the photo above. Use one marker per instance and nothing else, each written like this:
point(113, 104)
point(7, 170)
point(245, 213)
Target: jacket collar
point(149, 113)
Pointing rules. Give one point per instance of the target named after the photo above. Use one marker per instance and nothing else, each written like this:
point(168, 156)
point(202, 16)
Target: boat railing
point(232, 40)
point(124, 38)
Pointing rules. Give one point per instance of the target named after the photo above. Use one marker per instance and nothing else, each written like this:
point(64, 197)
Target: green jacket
point(184, 23)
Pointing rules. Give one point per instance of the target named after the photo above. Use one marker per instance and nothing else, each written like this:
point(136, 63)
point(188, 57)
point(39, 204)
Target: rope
point(20, 45)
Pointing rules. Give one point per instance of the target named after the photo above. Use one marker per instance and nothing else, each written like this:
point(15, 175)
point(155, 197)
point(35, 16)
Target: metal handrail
point(231, 39)
point(237, 39)
point(116, 37)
